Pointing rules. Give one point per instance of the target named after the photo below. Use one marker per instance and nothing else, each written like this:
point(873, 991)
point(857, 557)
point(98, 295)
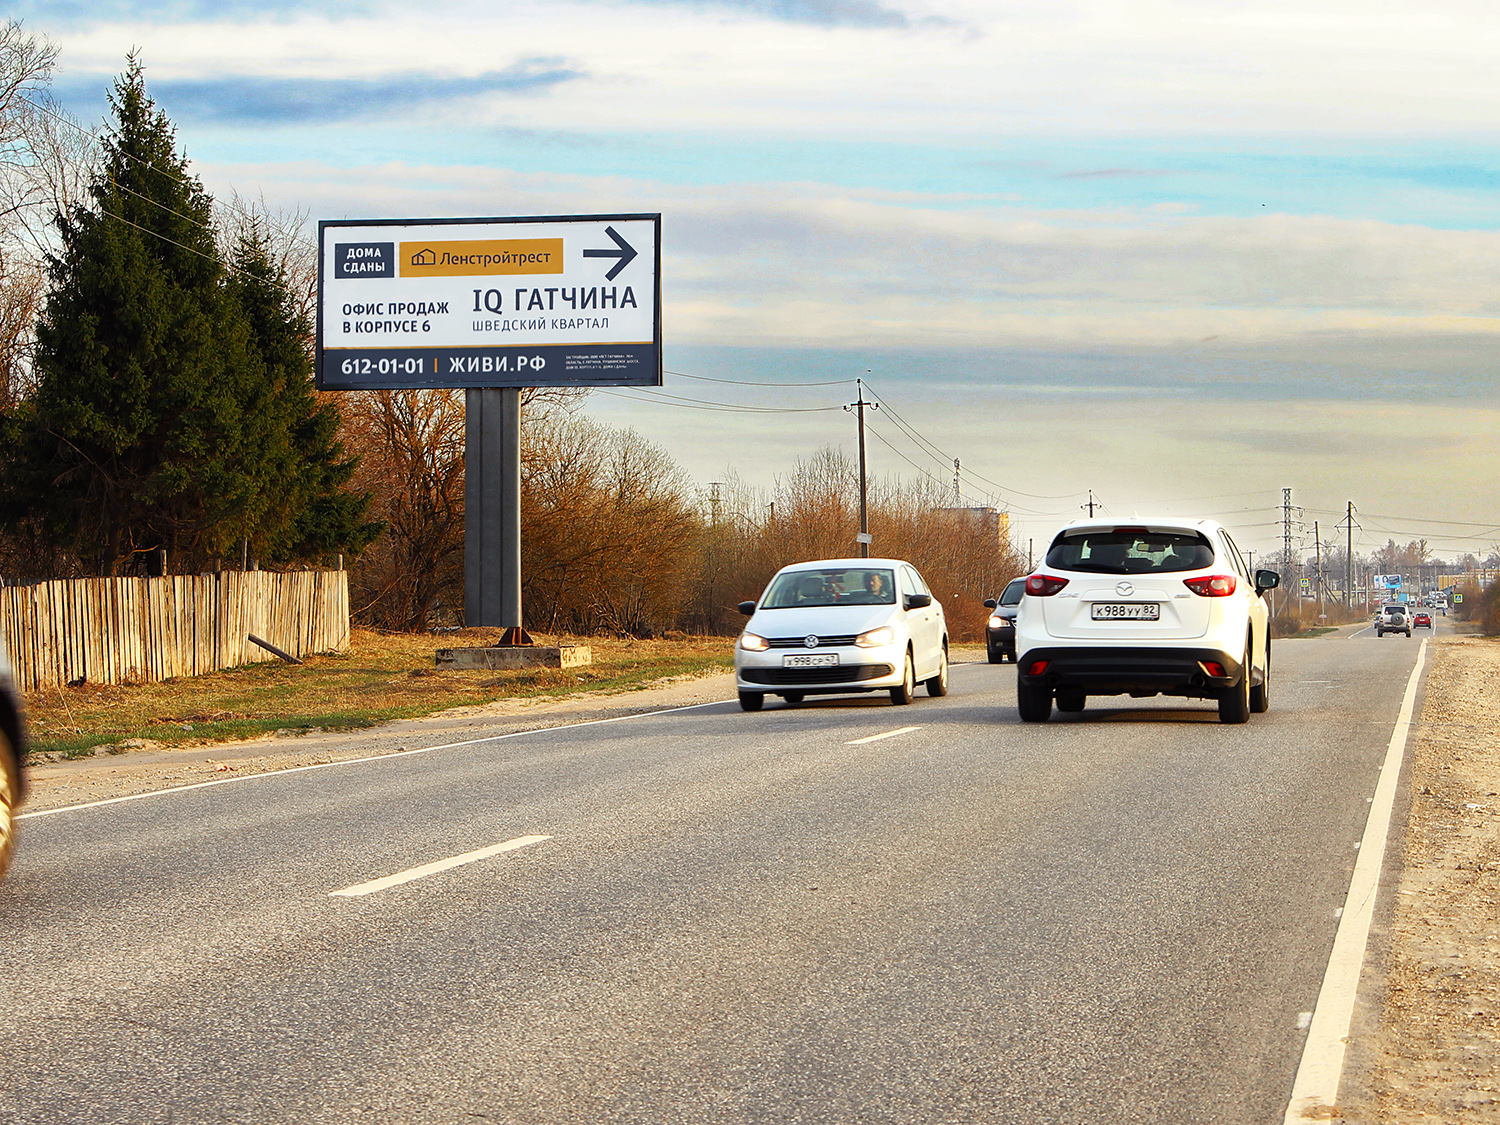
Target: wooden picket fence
point(131, 630)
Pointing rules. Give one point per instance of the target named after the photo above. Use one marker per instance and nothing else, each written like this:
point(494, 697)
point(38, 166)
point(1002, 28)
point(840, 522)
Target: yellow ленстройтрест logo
point(479, 259)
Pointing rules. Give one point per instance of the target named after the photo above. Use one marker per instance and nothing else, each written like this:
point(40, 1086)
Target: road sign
point(1457, 598)
point(518, 302)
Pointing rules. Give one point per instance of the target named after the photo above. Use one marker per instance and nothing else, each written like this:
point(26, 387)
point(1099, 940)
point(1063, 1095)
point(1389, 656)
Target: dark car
point(12, 760)
point(1000, 630)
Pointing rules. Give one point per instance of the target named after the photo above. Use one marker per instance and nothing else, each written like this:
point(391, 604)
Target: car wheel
point(938, 685)
point(793, 697)
point(996, 657)
point(1260, 697)
point(1234, 704)
point(752, 700)
point(902, 694)
point(1034, 703)
point(1071, 700)
point(10, 799)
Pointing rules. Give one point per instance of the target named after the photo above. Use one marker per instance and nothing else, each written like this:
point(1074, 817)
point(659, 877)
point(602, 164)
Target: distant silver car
point(1393, 618)
point(12, 759)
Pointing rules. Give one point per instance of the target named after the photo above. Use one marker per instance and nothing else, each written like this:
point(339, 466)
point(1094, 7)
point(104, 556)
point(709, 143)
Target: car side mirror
point(1266, 580)
point(917, 601)
point(989, 603)
point(747, 608)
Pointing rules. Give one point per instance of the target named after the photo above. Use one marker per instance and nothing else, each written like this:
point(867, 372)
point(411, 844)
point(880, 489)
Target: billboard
point(510, 302)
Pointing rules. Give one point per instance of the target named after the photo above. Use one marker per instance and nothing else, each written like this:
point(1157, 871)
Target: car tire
point(793, 697)
point(938, 685)
point(752, 700)
point(904, 692)
point(1260, 697)
point(995, 657)
point(10, 801)
point(1070, 701)
point(1234, 704)
point(1034, 703)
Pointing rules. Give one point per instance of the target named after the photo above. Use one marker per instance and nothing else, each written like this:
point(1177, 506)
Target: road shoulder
point(1424, 1046)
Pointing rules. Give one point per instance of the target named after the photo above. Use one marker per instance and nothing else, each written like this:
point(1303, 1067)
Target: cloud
point(49, 14)
point(275, 100)
point(1118, 174)
point(821, 13)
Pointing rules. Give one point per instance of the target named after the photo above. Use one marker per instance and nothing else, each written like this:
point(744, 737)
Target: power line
point(752, 383)
point(722, 407)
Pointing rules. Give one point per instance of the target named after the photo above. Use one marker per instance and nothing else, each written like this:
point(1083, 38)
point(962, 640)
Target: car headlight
point(876, 638)
point(751, 643)
point(996, 622)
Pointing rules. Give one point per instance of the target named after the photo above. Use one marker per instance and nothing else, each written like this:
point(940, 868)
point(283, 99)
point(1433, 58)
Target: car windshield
point(833, 586)
point(1013, 592)
point(1130, 551)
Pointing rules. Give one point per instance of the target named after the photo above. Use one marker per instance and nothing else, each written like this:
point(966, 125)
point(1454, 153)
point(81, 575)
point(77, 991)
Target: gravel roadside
point(1423, 1051)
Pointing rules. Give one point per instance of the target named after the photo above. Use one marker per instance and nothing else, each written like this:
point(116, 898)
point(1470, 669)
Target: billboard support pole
point(492, 511)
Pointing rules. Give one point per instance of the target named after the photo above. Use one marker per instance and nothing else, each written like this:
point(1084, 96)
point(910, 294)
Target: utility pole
point(1090, 504)
point(957, 499)
point(1286, 544)
point(864, 494)
point(1349, 555)
point(715, 499)
point(1318, 555)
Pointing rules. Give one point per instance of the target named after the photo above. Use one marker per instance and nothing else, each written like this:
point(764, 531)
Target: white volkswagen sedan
point(1158, 607)
point(842, 625)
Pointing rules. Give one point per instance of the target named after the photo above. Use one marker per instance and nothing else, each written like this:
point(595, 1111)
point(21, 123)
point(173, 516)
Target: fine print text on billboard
point(519, 302)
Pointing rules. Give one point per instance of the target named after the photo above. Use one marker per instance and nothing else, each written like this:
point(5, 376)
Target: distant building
point(990, 520)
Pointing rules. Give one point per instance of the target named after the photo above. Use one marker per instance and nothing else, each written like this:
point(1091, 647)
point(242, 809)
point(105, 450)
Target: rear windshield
point(1013, 592)
point(1130, 552)
point(852, 586)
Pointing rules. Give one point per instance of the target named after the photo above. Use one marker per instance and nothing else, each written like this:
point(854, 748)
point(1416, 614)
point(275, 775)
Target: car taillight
point(1212, 585)
point(1044, 585)
point(1037, 667)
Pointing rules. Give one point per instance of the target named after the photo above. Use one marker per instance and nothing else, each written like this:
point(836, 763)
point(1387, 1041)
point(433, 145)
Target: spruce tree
point(173, 409)
point(310, 515)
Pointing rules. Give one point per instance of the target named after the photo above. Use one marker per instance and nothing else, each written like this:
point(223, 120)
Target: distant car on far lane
point(1000, 630)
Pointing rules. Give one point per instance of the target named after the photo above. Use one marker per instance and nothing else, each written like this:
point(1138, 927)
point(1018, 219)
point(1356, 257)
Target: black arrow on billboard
point(626, 253)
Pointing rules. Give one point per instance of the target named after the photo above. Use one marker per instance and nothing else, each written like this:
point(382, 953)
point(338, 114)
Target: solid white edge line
point(411, 874)
point(878, 737)
point(1316, 1087)
point(357, 761)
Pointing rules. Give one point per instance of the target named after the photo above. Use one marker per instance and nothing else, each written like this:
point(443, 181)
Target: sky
point(1173, 255)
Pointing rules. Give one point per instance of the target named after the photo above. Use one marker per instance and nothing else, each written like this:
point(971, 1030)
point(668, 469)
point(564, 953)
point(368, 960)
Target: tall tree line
point(170, 417)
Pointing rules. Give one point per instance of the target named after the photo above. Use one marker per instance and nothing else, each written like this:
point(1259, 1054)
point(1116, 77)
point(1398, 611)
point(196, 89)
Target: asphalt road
point(1118, 916)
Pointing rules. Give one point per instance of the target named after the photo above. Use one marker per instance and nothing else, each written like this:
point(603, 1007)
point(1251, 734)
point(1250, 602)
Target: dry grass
point(382, 676)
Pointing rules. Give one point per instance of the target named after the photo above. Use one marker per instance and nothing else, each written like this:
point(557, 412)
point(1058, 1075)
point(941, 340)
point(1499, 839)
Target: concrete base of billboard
point(519, 656)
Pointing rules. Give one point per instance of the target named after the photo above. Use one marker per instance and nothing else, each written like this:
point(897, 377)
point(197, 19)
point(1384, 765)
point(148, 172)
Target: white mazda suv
point(1152, 607)
point(842, 625)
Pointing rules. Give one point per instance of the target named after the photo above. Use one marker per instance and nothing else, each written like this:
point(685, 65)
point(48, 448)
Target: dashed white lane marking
point(411, 874)
point(878, 737)
point(1303, 1019)
point(1316, 1087)
point(359, 761)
